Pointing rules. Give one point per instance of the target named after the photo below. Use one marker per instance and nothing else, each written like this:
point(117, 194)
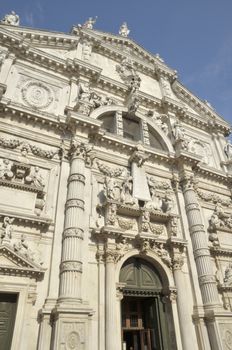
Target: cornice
point(211, 173)
point(19, 45)
point(25, 113)
point(28, 218)
point(44, 37)
point(121, 144)
point(156, 66)
point(21, 267)
point(201, 107)
point(218, 251)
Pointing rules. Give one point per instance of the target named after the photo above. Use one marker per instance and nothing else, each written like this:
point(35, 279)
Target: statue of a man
point(228, 150)
point(178, 131)
point(89, 23)
point(124, 31)
point(11, 19)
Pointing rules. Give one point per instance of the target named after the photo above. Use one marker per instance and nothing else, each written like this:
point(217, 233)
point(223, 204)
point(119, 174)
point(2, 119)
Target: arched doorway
point(144, 319)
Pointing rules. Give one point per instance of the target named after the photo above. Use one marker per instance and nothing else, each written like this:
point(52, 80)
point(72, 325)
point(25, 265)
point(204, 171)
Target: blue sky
point(192, 36)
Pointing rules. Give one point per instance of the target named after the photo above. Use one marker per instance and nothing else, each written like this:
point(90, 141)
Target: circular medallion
point(72, 342)
point(37, 95)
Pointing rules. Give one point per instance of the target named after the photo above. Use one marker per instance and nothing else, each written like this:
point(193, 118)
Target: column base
point(219, 325)
point(71, 327)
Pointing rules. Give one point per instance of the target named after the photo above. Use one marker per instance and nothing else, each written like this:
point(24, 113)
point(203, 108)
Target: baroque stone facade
point(115, 189)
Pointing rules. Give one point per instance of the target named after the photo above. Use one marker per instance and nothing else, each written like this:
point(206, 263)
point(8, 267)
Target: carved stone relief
point(202, 149)
point(87, 99)
point(26, 147)
point(20, 246)
point(86, 50)
point(159, 119)
point(128, 74)
point(37, 95)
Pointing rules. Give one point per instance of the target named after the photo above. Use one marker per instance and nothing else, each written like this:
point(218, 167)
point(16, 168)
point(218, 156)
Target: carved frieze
point(108, 171)
point(26, 147)
point(213, 198)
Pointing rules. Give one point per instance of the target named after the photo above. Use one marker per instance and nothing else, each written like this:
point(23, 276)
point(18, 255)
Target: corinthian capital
point(81, 150)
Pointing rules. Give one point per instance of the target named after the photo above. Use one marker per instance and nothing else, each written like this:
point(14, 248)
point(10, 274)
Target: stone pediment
point(12, 263)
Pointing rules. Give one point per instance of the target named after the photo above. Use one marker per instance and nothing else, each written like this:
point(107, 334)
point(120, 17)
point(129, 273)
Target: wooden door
point(8, 305)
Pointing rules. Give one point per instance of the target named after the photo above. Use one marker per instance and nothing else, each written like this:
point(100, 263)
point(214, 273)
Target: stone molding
point(21, 266)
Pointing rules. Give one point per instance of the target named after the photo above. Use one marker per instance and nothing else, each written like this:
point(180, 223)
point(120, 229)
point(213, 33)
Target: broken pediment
point(14, 263)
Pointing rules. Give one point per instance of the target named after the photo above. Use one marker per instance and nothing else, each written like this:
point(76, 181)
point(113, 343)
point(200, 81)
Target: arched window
point(132, 128)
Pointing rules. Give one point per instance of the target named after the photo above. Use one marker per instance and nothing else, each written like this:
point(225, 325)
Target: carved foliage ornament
point(111, 172)
point(37, 95)
point(26, 147)
point(211, 197)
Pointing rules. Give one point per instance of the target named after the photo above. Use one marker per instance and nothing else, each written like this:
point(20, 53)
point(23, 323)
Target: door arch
point(145, 318)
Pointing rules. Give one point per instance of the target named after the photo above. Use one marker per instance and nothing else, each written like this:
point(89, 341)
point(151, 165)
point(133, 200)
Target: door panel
point(8, 305)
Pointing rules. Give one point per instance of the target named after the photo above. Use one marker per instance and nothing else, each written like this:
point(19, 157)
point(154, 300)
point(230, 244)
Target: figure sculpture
point(5, 170)
point(178, 131)
point(124, 31)
point(35, 178)
point(11, 19)
point(7, 228)
point(89, 23)
point(228, 150)
point(126, 192)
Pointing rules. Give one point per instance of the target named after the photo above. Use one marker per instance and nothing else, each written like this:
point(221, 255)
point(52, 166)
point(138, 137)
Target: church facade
point(115, 206)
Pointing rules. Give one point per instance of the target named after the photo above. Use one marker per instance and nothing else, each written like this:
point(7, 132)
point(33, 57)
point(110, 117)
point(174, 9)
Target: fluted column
point(71, 260)
point(201, 252)
point(111, 315)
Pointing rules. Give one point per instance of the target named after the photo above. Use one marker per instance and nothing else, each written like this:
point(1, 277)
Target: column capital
point(79, 149)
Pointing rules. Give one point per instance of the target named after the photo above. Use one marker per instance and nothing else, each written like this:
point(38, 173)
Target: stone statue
point(11, 19)
point(124, 31)
point(85, 92)
point(126, 192)
point(5, 170)
point(22, 248)
point(145, 221)
point(167, 203)
point(110, 188)
point(228, 150)
point(89, 23)
point(112, 214)
point(35, 178)
point(228, 275)
point(155, 203)
point(178, 131)
point(7, 228)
